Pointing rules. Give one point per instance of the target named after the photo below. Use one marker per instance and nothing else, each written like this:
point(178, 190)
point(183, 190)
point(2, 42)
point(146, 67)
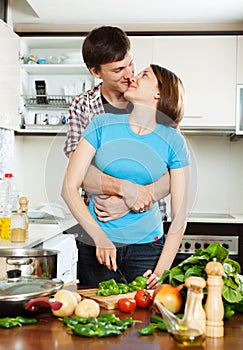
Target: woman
point(138, 147)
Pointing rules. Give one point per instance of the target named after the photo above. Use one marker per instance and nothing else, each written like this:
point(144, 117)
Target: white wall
point(40, 166)
point(217, 171)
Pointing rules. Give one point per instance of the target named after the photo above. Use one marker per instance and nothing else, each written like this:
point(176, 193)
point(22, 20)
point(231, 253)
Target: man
point(107, 54)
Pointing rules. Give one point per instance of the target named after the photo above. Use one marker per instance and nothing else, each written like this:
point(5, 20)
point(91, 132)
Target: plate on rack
point(45, 127)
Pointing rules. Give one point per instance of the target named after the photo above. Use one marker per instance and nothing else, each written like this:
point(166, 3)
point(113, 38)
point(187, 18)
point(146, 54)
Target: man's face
point(116, 75)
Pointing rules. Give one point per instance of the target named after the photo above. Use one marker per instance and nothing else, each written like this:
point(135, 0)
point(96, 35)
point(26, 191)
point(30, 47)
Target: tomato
point(127, 304)
point(143, 298)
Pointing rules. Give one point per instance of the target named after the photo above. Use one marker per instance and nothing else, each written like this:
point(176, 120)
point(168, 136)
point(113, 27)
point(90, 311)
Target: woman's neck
point(142, 119)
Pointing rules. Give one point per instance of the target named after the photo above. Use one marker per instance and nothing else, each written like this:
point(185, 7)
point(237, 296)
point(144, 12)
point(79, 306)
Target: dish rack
point(50, 101)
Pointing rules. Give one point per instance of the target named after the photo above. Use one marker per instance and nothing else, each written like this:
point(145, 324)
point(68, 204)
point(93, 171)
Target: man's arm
point(113, 205)
point(136, 197)
point(161, 187)
point(100, 183)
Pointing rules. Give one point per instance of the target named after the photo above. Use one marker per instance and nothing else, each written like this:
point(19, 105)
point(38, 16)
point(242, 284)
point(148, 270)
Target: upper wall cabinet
point(9, 77)
point(240, 60)
point(52, 73)
point(207, 67)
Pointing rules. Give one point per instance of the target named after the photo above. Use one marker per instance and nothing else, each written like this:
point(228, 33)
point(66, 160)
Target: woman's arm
point(180, 180)
point(75, 174)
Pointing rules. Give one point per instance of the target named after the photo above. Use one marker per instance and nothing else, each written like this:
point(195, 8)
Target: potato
point(69, 303)
point(87, 308)
point(77, 296)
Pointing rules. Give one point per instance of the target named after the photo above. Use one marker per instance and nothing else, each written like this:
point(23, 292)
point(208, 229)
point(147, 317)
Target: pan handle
point(35, 304)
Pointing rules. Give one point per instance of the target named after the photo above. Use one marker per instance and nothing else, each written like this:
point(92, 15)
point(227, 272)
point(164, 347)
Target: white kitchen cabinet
point(61, 67)
point(207, 67)
point(9, 77)
point(239, 90)
point(239, 110)
point(142, 49)
point(240, 60)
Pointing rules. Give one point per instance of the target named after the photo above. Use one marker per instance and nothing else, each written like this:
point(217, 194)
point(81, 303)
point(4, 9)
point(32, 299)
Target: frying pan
point(27, 296)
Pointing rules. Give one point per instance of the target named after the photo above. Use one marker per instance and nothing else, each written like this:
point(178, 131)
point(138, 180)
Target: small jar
point(18, 227)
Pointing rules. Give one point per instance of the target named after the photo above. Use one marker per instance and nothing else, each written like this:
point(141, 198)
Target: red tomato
point(127, 304)
point(143, 298)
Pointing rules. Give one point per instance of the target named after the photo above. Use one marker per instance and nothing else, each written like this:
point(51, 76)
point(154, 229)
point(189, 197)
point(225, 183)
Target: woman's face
point(143, 89)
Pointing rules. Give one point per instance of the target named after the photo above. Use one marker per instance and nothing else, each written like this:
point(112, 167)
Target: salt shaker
point(23, 207)
point(214, 307)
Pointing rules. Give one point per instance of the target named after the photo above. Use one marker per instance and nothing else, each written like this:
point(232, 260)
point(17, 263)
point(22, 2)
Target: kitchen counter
point(215, 218)
point(39, 233)
point(50, 333)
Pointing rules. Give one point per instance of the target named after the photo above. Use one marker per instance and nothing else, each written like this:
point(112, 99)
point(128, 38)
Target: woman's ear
point(94, 72)
point(157, 95)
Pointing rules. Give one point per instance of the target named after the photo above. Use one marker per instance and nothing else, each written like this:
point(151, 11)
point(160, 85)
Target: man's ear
point(94, 72)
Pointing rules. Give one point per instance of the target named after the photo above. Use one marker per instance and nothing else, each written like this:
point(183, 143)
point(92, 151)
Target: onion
point(169, 296)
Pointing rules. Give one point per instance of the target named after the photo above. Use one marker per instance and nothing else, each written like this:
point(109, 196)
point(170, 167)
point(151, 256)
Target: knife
point(123, 278)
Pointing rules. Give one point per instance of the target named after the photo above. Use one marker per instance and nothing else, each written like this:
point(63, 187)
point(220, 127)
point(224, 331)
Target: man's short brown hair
point(104, 45)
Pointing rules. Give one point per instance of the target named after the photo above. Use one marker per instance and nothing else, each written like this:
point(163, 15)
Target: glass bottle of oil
point(5, 215)
point(192, 328)
point(18, 226)
point(8, 202)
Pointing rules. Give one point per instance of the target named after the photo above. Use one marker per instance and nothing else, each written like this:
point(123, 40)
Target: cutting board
point(110, 302)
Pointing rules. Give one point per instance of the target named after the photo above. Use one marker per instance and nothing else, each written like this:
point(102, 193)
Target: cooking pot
point(27, 295)
point(30, 262)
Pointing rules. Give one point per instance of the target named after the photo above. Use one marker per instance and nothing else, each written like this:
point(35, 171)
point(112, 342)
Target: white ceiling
point(112, 12)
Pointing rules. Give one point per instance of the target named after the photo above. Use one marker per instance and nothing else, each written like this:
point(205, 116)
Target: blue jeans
point(133, 260)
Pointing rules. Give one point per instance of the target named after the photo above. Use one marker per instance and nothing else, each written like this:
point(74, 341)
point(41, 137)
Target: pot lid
point(30, 252)
point(25, 288)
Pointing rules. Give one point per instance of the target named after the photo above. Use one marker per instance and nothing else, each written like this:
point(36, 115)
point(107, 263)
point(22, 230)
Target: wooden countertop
point(50, 333)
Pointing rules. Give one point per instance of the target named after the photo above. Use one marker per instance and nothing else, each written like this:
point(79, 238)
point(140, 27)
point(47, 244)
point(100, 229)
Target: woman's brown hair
point(171, 103)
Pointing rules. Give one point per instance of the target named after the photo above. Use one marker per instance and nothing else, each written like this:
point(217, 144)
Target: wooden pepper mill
point(194, 311)
point(214, 307)
point(23, 207)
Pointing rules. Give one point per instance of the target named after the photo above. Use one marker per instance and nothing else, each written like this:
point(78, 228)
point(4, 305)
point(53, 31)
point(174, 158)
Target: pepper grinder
point(23, 207)
point(194, 312)
point(214, 307)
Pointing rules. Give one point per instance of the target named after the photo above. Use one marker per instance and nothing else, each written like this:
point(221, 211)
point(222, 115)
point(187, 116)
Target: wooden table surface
point(50, 333)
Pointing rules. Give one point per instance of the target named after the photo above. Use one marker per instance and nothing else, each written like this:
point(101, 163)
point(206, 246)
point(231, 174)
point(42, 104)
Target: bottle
point(5, 208)
point(18, 226)
point(194, 312)
point(8, 202)
point(11, 191)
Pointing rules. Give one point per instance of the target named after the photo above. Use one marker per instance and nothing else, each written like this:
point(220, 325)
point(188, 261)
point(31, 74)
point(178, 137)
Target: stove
point(190, 243)
point(201, 234)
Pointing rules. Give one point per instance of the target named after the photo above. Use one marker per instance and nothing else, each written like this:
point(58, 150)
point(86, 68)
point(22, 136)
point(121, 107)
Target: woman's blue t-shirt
point(141, 159)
